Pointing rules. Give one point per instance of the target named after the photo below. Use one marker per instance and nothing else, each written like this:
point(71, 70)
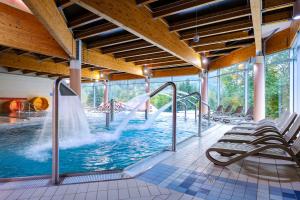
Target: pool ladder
point(174, 108)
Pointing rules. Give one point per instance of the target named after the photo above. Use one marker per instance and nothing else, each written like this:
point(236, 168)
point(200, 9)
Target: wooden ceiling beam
point(126, 47)
point(42, 73)
point(144, 2)
point(62, 4)
point(20, 52)
point(94, 57)
point(138, 52)
point(94, 31)
point(182, 71)
point(271, 5)
point(236, 36)
point(59, 60)
point(156, 61)
point(210, 55)
point(279, 16)
point(83, 20)
point(256, 8)
point(217, 29)
point(149, 57)
point(113, 40)
point(48, 14)
point(11, 69)
point(219, 47)
point(179, 6)
point(138, 21)
point(42, 57)
point(21, 30)
point(4, 49)
point(237, 56)
point(12, 60)
point(168, 65)
point(213, 18)
point(26, 71)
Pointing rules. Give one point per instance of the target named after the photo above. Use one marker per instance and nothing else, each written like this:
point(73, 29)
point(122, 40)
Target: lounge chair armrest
point(266, 130)
point(266, 138)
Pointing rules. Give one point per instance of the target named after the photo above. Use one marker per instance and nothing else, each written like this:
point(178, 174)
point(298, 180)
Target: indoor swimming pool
point(19, 158)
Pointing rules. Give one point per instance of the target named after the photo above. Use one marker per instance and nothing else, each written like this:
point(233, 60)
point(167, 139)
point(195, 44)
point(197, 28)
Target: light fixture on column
point(296, 10)
point(102, 75)
point(67, 81)
point(204, 60)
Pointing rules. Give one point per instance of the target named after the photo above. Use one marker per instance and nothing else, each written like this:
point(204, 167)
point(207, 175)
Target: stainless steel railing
point(174, 108)
point(198, 95)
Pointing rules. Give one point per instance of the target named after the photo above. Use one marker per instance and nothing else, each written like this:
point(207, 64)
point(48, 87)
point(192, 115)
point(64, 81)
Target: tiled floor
point(187, 174)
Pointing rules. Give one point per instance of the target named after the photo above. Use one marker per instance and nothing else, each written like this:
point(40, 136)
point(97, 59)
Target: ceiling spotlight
point(196, 38)
point(101, 75)
point(204, 60)
point(67, 81)
point(296, 10)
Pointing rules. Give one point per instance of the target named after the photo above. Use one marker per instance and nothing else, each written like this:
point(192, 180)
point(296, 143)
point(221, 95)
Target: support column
point(259, 89)
point(204, 94)
point(105, 95)
point(75, 70)
point(147, 90)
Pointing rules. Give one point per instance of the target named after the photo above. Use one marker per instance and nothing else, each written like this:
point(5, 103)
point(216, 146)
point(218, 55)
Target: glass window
point(213, 92)
point(277, 83)
point(92, 94)
point(232, 89)
point(250, 86)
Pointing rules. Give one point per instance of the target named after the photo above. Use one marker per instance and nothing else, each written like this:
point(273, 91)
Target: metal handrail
point(185, 109)
point(197, 94)
point(174, 108)
point(208, 114)
point(112, 109)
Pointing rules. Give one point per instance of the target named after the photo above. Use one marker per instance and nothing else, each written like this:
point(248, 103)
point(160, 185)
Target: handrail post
point(185, 108)
point(55, 120)
point(174, 109)
point(195, 113)
point(107, 119)
point(199, 117)
point(112, 110)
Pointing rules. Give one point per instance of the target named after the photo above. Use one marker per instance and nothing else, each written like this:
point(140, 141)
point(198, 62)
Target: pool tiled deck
point(187, 174)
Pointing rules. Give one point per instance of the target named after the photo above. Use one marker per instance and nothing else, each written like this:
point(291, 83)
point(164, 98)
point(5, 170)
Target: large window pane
point(232, 89)
point(277, 83)
point(213, 92)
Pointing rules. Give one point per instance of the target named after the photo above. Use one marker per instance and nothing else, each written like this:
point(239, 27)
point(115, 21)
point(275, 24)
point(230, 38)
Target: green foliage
point(277, 84)
point(232, 89)
point(160, 100)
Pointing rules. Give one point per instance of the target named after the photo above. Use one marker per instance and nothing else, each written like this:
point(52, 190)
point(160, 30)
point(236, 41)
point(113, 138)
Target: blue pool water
point(133, 145)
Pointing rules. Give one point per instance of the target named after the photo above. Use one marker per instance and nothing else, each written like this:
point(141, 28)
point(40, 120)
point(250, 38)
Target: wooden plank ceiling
point(223, 26)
